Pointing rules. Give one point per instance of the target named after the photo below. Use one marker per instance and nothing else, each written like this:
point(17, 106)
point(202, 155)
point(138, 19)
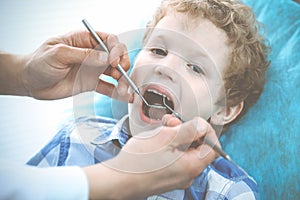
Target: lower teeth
point(155, 113)
point(155, 98)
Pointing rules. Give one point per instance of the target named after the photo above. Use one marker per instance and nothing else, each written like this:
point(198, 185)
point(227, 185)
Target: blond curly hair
point(244, 76)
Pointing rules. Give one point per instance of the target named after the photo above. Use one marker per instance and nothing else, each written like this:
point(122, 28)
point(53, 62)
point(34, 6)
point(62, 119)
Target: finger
point(192, 155)
point(95, 58)
point(82, 39)
point(119, 55)
point(124, 90)
point(117, 50)
point(124, 63)
point(105, 88)
point(110, 90)
point(123, 86)
point(69, 55)
point(208, 144)
point(170, 120)
point(111, 41)
point(190, 131)
point(125, 60)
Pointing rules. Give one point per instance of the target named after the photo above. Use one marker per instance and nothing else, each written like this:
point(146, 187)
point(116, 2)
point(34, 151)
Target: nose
point(169, 68)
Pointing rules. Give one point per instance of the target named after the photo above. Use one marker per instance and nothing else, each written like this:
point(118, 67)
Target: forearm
point(20, 182)
point(11, 77)
point(105, 183)
point(108, 183)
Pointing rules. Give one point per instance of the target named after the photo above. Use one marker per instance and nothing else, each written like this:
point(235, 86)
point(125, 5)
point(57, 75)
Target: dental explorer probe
point(119, 67)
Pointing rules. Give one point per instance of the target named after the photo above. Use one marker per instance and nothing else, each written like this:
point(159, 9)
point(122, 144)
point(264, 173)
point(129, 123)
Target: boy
point(201, 58)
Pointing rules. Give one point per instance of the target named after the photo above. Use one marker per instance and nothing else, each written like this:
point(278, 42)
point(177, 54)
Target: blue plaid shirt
point(90, 140)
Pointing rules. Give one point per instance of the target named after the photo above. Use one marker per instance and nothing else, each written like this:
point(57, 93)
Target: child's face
point(183, 59)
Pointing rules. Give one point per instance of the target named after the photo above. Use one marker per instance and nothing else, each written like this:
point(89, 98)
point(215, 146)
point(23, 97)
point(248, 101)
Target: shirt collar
point(120, 131)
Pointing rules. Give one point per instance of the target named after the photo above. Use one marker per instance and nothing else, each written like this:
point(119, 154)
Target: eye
point(159, 51)
point(197, 69)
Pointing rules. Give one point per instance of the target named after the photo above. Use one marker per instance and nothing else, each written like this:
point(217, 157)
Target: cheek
point(142, 58)
point(141, 69)
point(197, 98)
point(140, 74)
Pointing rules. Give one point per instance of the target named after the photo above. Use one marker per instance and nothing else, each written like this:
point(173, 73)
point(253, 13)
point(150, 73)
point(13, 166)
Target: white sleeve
point(28, 182)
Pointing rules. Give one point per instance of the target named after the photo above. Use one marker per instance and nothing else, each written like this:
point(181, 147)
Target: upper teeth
point(156, 92)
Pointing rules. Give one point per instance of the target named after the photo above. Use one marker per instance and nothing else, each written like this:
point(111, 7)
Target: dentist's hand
point(70, 64)
point(155, 162)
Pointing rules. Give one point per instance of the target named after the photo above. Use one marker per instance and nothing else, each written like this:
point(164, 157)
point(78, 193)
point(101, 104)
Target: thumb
point(190, 131)
point(112, 91)
point(86, 56)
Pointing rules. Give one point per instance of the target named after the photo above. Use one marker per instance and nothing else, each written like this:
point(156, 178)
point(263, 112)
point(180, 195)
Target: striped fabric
point(90, 140)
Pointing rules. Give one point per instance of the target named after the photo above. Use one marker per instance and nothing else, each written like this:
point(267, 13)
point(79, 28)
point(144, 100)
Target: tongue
point(156, 113)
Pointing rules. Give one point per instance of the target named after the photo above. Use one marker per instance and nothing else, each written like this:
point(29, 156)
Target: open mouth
point(157, 98)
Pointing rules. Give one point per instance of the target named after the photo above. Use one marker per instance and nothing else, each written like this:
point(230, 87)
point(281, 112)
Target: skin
point(62, 67)
point(172, 74)
point(189, 70)
point(178, 175)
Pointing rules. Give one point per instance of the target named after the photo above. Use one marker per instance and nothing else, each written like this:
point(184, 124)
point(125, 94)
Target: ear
point(226, 114)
